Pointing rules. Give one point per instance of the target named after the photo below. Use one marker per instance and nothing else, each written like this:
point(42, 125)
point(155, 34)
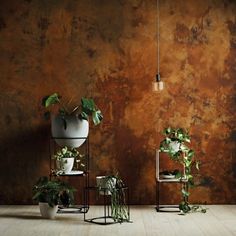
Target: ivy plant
point(68, 152)
point(186, 157)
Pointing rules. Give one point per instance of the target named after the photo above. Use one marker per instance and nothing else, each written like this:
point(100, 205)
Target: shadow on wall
point(24, 157)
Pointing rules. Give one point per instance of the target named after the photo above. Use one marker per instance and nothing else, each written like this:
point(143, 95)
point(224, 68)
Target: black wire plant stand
point(106, 218)
point(75, 209)
point(160, 181)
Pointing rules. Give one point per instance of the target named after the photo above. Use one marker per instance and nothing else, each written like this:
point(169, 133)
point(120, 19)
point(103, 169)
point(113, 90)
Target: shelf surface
point(73, 173)
point(172, 180)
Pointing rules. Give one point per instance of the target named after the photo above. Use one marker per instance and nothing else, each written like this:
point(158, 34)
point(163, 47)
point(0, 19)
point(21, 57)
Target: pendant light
point(158, 85)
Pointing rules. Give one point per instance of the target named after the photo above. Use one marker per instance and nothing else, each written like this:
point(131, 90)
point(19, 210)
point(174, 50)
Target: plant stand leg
point(157, 196)
point(185, 187)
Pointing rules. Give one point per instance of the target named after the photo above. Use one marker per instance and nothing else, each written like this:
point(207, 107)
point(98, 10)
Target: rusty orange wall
point(107, 49)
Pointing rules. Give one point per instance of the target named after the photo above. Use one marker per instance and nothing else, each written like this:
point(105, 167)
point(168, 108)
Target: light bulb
point(158, 85)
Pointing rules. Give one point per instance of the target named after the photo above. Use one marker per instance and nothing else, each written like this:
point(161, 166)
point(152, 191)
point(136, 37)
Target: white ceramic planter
point(76, 128)
point(102, 182)
point(174, 145)
point(47, 211)
point(66, 164)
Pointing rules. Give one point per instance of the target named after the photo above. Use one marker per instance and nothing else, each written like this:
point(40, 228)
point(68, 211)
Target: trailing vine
point(175, 145)
point(119, 207)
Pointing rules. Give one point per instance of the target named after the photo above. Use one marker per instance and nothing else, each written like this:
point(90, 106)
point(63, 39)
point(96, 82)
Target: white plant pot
point(47, 211)
point(174, 145)
point(102, 182)
point(66, 164)
point(75, 133)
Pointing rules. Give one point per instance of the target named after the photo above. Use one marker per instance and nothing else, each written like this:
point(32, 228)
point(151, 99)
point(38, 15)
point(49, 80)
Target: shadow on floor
point(24, 217)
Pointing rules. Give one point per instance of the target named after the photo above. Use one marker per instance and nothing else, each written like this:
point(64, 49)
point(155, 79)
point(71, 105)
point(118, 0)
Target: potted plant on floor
point(70, 127)
point(175, 145)
point(113, 186)
point(51, 193)
point(65, 158)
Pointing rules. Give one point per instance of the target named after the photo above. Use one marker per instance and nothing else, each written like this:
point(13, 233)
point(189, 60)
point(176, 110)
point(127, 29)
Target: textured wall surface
point(107, 49)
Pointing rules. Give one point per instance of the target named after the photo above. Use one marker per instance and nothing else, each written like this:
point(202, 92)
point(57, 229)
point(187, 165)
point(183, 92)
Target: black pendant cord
point(158, 76)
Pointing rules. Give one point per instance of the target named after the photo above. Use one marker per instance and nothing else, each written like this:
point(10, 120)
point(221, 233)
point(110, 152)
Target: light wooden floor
point(26, 221)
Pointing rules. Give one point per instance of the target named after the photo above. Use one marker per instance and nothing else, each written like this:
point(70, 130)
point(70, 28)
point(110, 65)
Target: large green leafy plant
point(185, 156)
point(119, 207)
point(82, 111)
point(53, 192)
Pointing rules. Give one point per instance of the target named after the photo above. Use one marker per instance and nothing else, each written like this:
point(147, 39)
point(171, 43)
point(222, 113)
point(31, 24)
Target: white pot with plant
point(71, 127)
point(113, 186)
point(51, 193)
point(105, 184)
point(65, 158)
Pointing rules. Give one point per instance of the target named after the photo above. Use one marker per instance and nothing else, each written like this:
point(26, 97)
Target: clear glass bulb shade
point(157, 86)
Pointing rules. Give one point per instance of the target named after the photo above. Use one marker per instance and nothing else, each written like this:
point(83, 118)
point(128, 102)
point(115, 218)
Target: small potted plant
point(105, 183)
point(70, 127)
point(113, 186)
point(51, 193)
point(174, 142)
point(65, 158)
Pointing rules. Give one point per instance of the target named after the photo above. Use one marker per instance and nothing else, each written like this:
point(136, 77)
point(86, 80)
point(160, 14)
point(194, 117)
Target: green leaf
point(50, 100)
point(167, 131)
point(197, 165)
point(203, 210)
point(185, 193)
point(178, 175)
point(88, 105)
point(190, 153)
point(83, 115)
point(184, 207)
point(97, 117)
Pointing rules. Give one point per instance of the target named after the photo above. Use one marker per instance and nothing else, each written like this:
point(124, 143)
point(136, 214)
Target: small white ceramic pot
point(66, 164)
point(47, 211)
point(102, 182)
point(174, 145)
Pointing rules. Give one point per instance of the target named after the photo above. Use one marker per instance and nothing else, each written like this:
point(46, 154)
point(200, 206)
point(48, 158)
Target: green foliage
point(83, 111)
point(119, 207)
point(66, 152)
point(50, 100)
point(53, 192)
point(185, 156)
point(89, 109)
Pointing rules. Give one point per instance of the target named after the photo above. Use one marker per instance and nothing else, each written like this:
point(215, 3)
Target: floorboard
point(220, 220)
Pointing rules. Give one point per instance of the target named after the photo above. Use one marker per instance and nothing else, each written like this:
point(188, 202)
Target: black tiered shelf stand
point(85, 174)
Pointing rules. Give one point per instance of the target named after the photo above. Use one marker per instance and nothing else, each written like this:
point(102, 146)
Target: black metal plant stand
point(106, 218)
point(77, 209)
point(159, 181)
